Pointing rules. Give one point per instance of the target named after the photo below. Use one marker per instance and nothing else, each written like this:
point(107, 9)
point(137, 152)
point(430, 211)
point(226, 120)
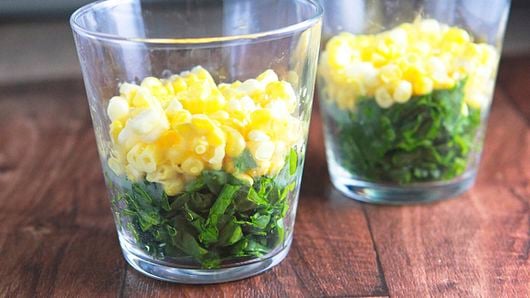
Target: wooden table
point(57, 237)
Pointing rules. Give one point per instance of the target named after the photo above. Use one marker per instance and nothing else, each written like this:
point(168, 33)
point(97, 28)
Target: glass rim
point(305, 24)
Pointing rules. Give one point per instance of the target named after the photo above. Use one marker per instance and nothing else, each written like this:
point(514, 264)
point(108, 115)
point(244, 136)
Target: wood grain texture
point(57, 237)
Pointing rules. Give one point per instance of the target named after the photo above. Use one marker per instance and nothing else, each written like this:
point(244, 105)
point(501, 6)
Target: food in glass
point(201, 112)
point(405, 108)
point(204, 173)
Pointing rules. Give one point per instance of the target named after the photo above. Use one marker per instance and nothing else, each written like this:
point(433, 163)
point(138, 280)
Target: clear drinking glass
point(201, 111)
point(405, 88)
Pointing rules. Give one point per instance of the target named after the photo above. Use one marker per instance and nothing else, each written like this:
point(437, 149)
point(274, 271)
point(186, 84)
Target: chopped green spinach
point(427, 138)
point(216, 219)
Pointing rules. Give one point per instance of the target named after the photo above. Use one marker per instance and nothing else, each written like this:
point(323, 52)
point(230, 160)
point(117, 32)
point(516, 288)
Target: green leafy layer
point(218, 218)
point(426, 139)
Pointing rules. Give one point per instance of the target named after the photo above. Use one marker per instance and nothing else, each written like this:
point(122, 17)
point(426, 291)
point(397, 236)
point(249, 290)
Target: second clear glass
point(405, 89)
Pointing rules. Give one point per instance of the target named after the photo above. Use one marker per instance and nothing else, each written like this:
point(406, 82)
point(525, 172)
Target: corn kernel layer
point(170, 130)
point(411, 59)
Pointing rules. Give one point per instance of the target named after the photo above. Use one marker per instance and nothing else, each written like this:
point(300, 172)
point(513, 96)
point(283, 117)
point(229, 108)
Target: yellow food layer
point(170, 130)
point(411, 59)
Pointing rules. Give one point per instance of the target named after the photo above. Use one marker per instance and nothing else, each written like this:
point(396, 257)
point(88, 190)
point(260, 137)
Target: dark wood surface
point(57, 237)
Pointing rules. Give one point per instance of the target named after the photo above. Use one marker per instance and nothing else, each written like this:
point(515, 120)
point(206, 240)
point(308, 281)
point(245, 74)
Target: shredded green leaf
point(245, 161)
point(426, 139)
point(218, 218)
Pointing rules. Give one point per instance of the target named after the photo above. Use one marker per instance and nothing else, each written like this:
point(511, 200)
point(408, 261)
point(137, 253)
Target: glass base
point(163, 272)
point(397, 194)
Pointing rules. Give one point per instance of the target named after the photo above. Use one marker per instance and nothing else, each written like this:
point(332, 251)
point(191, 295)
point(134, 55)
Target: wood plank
point(476, 245)
point(48, 156)
point(39, 261)
point(57, 236)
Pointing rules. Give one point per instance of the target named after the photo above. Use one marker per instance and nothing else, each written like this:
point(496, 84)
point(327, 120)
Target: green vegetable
point(426, 139)
point(216, 220)
point(245, 161)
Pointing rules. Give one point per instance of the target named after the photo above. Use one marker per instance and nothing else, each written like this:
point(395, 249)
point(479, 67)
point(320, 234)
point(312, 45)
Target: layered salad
point(204, 174)
point(406, 105)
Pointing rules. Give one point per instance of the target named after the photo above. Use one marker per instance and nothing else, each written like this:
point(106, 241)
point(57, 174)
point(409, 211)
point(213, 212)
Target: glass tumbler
point(201, 111)
point(405, 89)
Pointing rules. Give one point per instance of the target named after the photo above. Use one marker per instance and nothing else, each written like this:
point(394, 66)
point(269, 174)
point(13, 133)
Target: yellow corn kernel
point(229, 92)
point(456, 35)
point(235, 143)
point(216, 137)
point(202, 123)
point(473, 100)
point(115, 129)
point(203, 75)
point(260, 117)
point(142, 98)
point(244, 178)
point(444, 83)
point(402, 91)
point(261, 170)
point(198, 90)
point(173, 106)
point(200, 146)
point(143, 158)
point(169, 87)
point(383, 98)
point(257, 136)
point(267, 77)
point(178, 118)
point(423, 86)
point(413, 73)
point(377, 59)
point(340, 56)
point(276, 166)
point(117, 108)
point(220, 116)
point(173, 187)
point(192, 166)
point(216, 160)
point(390, 73)
point(280, 90)
point(176, 156)
point(382, 48)
point(228, 165)
point(155, 86)
point(163, 173)
point(262, 151)
point(214, 102)
point(128, 91)
point(133, 174)
point(168, 140)
point(179, 84)
point(250, 87)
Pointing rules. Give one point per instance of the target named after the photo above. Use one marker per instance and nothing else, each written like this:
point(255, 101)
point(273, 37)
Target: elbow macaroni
point(170, 130)
point(410, 60)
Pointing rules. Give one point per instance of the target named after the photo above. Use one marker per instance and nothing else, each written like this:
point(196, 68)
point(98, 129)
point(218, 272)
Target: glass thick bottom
point(399, 194)
point(165, 272)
